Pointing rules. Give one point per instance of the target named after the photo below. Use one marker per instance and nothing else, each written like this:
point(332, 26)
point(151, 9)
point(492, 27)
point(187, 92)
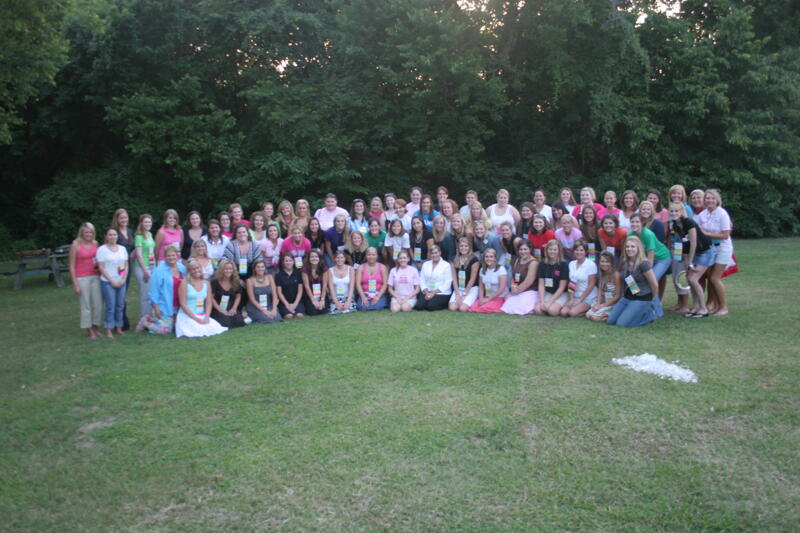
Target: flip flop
point(690, 314)
point(700, 315)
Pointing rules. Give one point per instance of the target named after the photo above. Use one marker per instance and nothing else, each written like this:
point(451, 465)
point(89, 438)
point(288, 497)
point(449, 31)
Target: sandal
point(690, 314)
point(700, 315)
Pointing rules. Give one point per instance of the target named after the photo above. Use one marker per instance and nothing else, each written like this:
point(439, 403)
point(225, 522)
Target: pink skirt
point(522, 304)
point(492, 306)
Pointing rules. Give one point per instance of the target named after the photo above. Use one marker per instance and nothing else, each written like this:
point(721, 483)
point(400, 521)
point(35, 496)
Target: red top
point(176, 282)
point(540, 240)
point(614, 240)
point(85, 264)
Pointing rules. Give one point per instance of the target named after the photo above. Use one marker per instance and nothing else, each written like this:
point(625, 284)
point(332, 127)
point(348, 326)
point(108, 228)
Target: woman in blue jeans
point(639, 304)
point(112, 262)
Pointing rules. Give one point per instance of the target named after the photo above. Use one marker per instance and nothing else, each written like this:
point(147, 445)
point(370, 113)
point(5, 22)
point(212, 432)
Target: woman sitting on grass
point(262, 301)
point(226, 292)
point(639, 304)
point(403, 284)
point(583, 282)
point(436, 280)
point(465, 277)
point(553, 278)
point(194, 318)
point(289, 288)
point(523, 297)
point(609, 288)
point(315, 284)
point(371, 286)
point(341, 284)
point(492, 278)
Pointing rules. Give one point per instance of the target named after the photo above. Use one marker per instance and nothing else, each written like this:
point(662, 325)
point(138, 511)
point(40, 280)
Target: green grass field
point(421, 422)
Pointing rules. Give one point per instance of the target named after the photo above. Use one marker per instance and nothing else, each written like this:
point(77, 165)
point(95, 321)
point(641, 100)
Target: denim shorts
point(705, 259)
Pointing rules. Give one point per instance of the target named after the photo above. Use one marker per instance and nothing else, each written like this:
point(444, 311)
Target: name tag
point(570, 287)
point(215, 262)
point(262, 300)
point(200, 307)
point(431, 285)
point(274, 260)
point(242, 266)
point(298, 262)
point(632, 285)
point(548, 282)
point(462, 278)
point(121, 270)
point(151, 259)
point(340, 248)
point(537, 253)
point(395, 253)
point(372, 287)
point(363, 229)
point(677, 251)
point(417, 254)
point(611, 250)
point(403, 280)
point(507, 261)
point(224, 301)
point(316, 290)
point(590, 246)
point(339, 290)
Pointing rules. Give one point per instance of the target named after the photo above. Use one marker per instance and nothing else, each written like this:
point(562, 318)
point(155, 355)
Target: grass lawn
point(420, 422)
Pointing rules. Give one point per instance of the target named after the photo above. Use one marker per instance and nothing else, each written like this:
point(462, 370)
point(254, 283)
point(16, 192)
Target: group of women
point(605, 262)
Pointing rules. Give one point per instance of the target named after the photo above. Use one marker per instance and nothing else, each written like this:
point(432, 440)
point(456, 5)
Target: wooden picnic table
point(43, 261)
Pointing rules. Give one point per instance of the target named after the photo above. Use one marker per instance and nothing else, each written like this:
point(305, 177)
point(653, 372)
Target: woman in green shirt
point(376, 238)
point(144, 260)
point(657, 253)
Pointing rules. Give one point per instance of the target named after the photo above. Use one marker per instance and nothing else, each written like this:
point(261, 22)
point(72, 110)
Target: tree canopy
point(196, 103)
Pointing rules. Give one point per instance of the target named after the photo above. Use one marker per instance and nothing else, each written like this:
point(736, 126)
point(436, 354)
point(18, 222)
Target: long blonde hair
point(640, 255)
point(219, 276)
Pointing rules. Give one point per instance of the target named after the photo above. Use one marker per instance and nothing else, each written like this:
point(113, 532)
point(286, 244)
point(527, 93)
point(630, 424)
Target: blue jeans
point(377, 306)
point(114, 300)
point(634, 313)
point(661, 267)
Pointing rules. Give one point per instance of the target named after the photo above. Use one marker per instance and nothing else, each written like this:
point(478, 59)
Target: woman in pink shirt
point(169, 233)
point(271, 247)
point(403, 284)
point(86, 278)
point(371, 283)
point(296, 245)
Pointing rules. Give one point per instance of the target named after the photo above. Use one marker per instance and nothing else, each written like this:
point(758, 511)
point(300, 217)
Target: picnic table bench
point(44, 261)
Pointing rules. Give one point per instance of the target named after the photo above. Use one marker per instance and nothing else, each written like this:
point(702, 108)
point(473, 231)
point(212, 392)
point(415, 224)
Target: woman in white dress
point(194, 317)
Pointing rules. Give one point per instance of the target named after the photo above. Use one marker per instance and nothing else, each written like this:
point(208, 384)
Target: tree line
point(149, 104)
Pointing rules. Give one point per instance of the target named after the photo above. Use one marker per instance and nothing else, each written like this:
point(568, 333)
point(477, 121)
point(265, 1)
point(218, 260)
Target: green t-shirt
point(650, 242)
point(147, 245)
point(376, 242)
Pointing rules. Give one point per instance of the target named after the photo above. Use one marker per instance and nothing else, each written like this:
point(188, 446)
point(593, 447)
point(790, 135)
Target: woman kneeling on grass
point(372, 278)
point(639, 304)
point(583, 282)
point(553, 277)
point(262, 301)
point(609, 288)
point(195, 297)
point(403, 284)
point(492, 279)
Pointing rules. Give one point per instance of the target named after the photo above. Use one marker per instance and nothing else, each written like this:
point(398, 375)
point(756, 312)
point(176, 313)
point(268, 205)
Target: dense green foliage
point(193, 104)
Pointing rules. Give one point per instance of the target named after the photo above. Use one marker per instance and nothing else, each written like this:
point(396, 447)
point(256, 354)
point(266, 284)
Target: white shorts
point(411, 301)
point(470, 297)
point(724, 255)
point(563, 299)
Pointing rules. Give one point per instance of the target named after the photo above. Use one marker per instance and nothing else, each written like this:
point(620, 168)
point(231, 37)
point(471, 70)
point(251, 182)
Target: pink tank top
point(377, 277)
point(176, 282)
point(84, 261)
point(170, 236)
